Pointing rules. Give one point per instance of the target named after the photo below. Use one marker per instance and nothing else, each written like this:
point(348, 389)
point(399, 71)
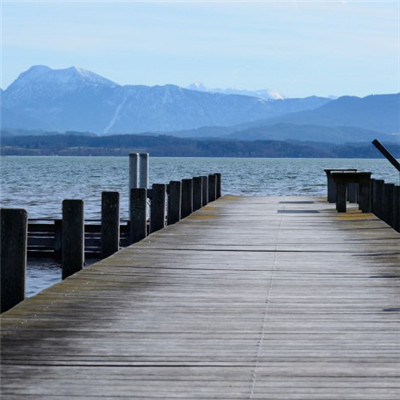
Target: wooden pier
point(247, 298)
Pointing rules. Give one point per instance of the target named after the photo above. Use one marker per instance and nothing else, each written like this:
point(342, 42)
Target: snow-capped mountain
point(265, 94)
point(76, 99)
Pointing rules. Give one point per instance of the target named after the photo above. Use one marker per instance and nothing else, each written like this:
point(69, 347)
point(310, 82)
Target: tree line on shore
point(170, 146)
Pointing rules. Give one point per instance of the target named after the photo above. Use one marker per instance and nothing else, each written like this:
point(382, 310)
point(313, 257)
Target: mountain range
point(265, 94)
point(75, 99)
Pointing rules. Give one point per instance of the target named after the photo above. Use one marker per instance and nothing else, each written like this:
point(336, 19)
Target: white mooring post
point(143, 170)
point(133, 170)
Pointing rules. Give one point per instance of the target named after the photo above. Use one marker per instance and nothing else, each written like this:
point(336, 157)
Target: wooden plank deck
point(248, 298)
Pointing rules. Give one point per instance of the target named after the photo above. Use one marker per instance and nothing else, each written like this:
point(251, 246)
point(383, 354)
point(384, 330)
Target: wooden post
point(352, 192)
point(365, 196)
point(57, 239)
point(174, 202)
point(212, 187)
point(138, 214)
point(157, 210)
point(187, 197)
point(13, 259)
point(396, 208)
point(144, 170)
point(378, 193)
point(204, 180)
point(133, 170)
point(109, 223)
point(219, 186)
point(388, 203)
point(331, 189)
point(341, 197)
point(73, 237)
point(373, 195)
point(197, 193)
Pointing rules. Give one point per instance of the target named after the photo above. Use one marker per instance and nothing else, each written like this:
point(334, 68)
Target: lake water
point(40, 184)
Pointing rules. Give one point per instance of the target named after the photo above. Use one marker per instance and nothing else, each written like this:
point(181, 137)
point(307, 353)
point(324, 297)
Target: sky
point(298, 48)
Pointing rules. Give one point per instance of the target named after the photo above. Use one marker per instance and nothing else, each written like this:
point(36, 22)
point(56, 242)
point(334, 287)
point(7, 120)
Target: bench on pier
point(342, 179)
point(352, 188)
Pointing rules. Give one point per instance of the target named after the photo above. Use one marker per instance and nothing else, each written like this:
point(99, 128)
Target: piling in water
point(109, 223)
point(73, 237)
point(174, 202)
point(157, 210)
point(13, 258)
point(137, 215)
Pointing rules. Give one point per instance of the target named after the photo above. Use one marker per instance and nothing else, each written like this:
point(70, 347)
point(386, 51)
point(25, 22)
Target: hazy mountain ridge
point(313, 133)
point(265, 94)
point(76, 99)
point(374, 112)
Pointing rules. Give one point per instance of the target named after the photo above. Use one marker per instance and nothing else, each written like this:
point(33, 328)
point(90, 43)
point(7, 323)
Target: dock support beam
point(396, 208)
point(204, 181)
point(174, 202)
point(73, 237)
point(388, 190)
point(58, 239)
point(218, 183)
point(341, 197)
point(137, 214)
point(157, 210)
point(14, 239)
point(109, 223)
point(187, 197)
point(212, 187)
point(365, 197)
point(352, 193)
point(197, 193)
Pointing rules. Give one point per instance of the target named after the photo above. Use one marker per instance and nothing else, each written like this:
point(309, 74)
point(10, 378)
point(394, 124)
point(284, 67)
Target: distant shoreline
point(170, 146)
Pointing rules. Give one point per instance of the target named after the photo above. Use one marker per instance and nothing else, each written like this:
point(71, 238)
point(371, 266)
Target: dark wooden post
point(197, 193)
point(396, 208)
point(341, 196)
point(174, 202)
point(331, 189)
point(57, 239)
point(352, 192)
point(378, 193)
point(73, 237)
point(373, 195)
point(219, 186)
point(212, 187)
point(138, 214)
point(187, 197)
point(14, 239)
point(388, 203)
point(204, 180)
point(157, 210)
point(109, 223)
point(365, 196)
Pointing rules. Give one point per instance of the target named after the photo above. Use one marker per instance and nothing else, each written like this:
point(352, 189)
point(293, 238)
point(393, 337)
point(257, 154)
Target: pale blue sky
point(298, 48)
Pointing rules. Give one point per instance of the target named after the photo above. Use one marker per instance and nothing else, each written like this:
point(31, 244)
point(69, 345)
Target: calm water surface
point(40, 184)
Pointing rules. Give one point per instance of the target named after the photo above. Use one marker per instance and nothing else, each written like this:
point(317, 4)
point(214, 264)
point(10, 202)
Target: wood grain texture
point(247, 298)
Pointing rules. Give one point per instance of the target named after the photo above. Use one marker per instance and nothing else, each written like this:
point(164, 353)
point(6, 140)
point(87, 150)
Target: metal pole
point(133, 170)
point(144, 170)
